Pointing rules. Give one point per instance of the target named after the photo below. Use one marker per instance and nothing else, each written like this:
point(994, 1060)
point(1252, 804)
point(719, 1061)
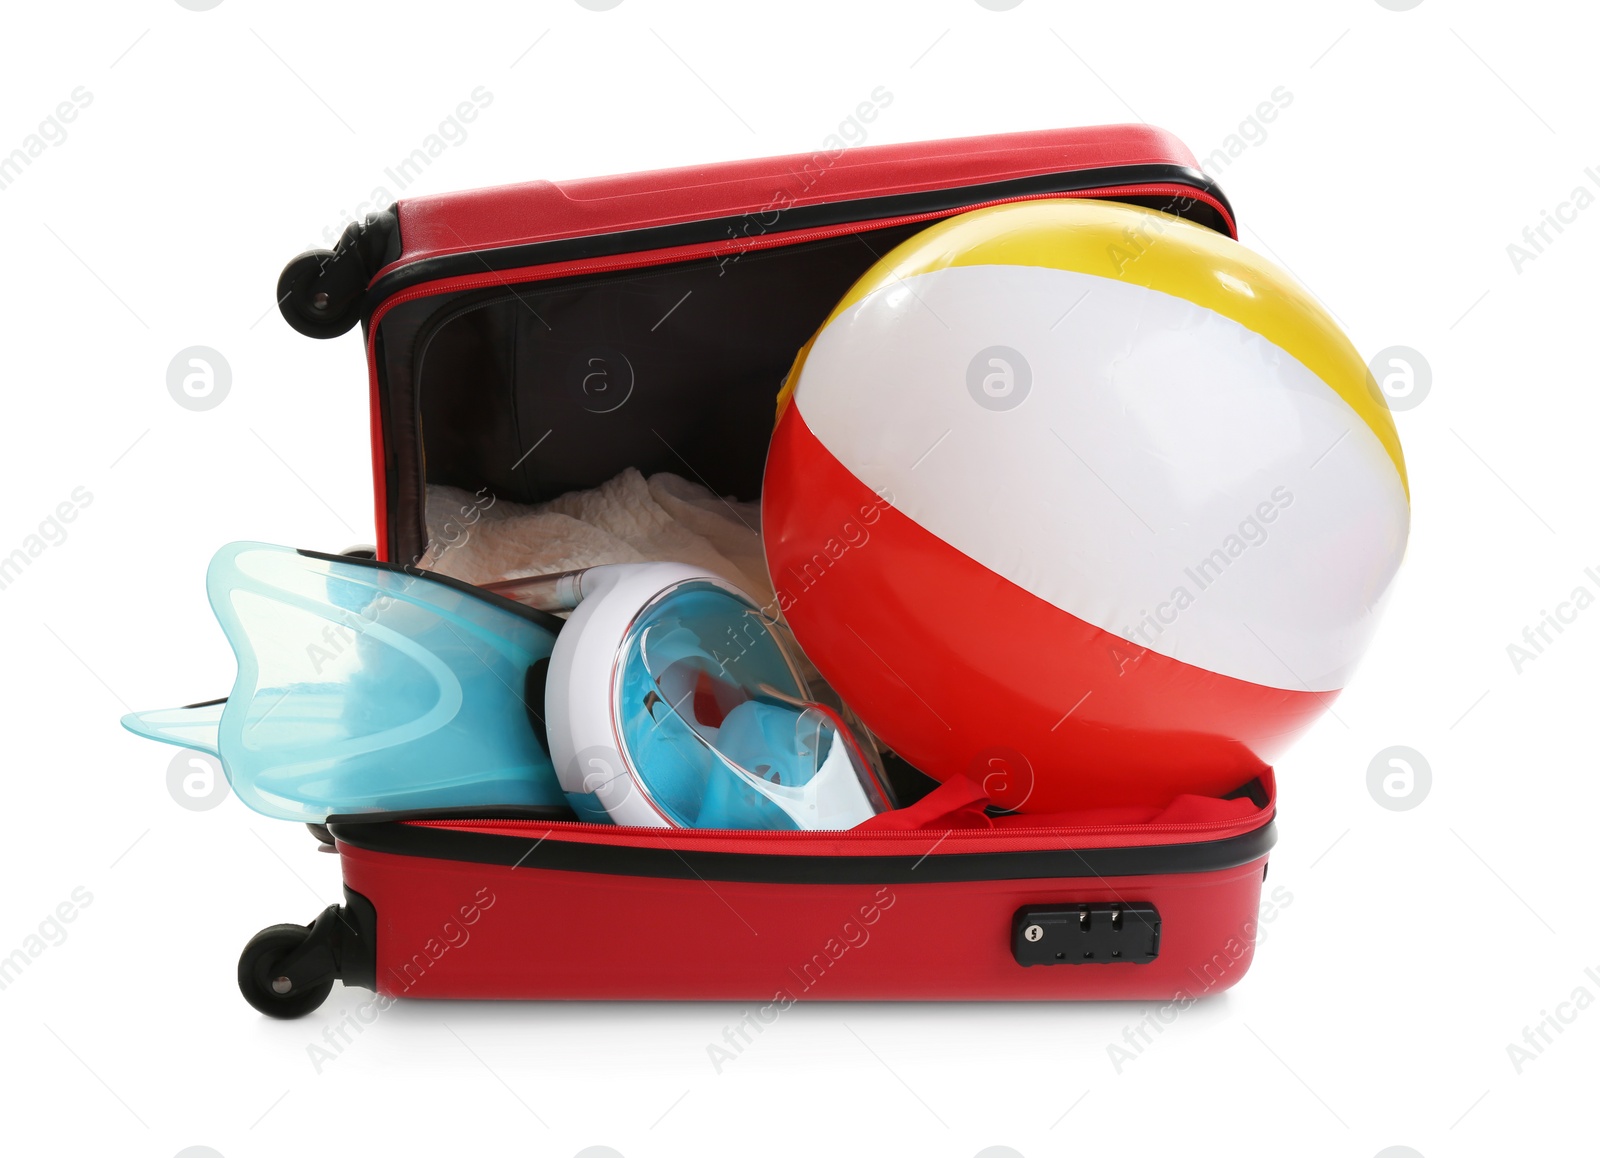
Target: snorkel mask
point(673, 701)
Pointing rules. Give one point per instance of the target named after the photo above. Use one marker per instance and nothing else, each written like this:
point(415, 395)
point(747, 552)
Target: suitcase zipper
point(826, 857)
point(908, 855)
point(731, 248)
point(988, 834)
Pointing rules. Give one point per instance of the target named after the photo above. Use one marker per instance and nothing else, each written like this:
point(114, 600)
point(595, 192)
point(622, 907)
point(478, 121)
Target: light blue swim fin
point(368, 687)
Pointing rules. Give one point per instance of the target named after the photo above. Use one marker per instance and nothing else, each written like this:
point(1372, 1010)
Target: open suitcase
point(534, 339)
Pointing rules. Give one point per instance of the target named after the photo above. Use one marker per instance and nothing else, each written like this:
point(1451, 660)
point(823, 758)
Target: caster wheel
point(262, 984)
point(320, 831)
point(318, 294)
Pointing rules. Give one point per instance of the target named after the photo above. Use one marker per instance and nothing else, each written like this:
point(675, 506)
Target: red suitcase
point(485, 315)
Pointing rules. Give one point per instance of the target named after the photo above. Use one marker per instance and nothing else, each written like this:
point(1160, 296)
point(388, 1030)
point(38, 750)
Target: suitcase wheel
point(289, 970)
point(280, 973)
point(320, 293)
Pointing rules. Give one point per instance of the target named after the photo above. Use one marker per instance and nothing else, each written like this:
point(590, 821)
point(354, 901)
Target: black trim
point(544, 619)
point(663, 861)
point(861, 210)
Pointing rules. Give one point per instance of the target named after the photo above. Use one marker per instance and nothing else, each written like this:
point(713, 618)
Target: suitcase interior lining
point(532, 391)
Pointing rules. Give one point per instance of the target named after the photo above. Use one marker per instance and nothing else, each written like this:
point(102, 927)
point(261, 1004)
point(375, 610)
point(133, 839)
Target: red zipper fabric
point(881, 842)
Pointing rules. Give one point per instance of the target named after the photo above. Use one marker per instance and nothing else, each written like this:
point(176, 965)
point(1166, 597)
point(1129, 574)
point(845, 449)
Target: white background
point(1417, 944)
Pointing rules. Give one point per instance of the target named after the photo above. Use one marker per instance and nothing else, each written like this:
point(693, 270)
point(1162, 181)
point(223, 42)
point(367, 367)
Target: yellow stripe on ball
point(1124, 243)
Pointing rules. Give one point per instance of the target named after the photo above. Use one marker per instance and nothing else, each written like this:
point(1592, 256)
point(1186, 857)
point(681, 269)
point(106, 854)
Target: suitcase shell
point(475, 308)
point(545, 909)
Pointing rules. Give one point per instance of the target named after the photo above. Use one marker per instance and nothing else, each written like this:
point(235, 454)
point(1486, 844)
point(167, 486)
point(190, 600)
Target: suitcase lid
point(683, 291)
point(737, 199)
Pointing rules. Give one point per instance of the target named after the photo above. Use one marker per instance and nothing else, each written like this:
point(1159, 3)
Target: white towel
point(627, 520)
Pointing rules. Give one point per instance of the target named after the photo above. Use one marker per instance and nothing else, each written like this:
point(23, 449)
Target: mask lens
point(717, 724)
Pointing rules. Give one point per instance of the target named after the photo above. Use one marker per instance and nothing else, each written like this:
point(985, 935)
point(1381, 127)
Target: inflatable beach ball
point(1084, 500)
